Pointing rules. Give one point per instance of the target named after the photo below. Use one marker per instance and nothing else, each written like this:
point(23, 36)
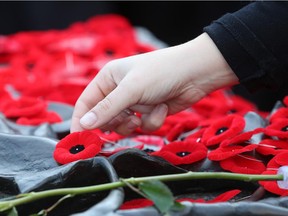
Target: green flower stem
point(33, 196)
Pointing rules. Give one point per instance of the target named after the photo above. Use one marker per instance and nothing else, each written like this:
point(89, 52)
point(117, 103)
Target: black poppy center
point(76, 149)
point(285, 128)
point(183, 154)
point(109, 52)
point(221, 130)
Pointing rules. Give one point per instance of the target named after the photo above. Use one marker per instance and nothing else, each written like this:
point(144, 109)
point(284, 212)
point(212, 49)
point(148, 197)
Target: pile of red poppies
point(56, 65)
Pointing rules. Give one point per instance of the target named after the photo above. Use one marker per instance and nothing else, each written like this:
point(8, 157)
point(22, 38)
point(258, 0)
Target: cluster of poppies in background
point(56, 65)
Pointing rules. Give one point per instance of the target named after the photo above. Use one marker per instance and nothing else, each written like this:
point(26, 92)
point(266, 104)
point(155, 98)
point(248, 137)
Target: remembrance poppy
point(23, 107)
point(76, 146)
point(278, 128)
point(223, 129)
point(271, 146)
point(182, 152)
point(281, 113)
point(243, 164)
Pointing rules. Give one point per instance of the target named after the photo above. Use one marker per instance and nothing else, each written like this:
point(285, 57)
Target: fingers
point(129, 125)
point(125, 123)
point(108, 108)
point(155, 119)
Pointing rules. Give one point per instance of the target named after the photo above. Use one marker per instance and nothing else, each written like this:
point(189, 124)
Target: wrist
point(209, 69)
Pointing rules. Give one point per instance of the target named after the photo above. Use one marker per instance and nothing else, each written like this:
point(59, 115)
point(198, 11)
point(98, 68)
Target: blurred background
point(172, 22)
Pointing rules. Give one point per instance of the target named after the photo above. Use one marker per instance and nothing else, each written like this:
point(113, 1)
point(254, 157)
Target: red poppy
point(23, 107)
point(181, 122)
point(278, 128)
point(280, 113)
point(272, 186)
point(43, 117)
point(206, 106)
point(77, 146)
point(271, 146)
point(223, 129)
point(245, 164)
point(272, 168)
point(182, 152)
point(223, 153)
point(244, 138)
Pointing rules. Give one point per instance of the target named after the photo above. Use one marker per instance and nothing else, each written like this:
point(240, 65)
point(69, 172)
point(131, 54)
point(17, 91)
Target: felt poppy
point(272, 146)
point(206, 106)
point(223, 129)
point(272, 186)
point(23, 107)
point(280, 113)
point(234, 146)
point(77, 146)
point(278, 128)
point(249, 137)
point(223, 153)
point(43, 117)
point(182, 152)
point(243, 164)
point(235, 105)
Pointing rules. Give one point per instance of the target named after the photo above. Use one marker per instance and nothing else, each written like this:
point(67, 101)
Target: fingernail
point(88, 119)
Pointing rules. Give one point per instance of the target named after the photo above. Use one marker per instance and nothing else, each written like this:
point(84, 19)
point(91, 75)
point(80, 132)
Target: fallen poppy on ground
point(278, 128)
point(272, 146)
point(281, 113)
point(245, 164)
point(223, 129)
point(182, 152)
point(23, 107)
point(77, 146)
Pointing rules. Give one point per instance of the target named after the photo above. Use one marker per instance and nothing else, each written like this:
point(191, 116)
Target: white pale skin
point(155, 84)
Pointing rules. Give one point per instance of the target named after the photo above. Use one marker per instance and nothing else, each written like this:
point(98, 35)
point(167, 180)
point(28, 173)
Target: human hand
point(155, 84)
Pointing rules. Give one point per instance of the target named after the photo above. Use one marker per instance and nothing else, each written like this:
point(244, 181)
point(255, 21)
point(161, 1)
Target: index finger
point(95, 91)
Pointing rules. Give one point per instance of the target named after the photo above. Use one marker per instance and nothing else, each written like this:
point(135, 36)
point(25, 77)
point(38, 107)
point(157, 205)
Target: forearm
point(254, 42)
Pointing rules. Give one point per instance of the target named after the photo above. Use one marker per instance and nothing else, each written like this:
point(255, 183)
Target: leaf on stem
point(159, 193)
point(12, 212)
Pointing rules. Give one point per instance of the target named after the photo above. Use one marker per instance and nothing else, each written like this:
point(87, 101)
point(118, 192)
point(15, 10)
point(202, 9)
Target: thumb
point(108, 108)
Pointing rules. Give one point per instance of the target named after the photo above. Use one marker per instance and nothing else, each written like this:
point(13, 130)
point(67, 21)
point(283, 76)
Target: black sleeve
point(254, 42)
